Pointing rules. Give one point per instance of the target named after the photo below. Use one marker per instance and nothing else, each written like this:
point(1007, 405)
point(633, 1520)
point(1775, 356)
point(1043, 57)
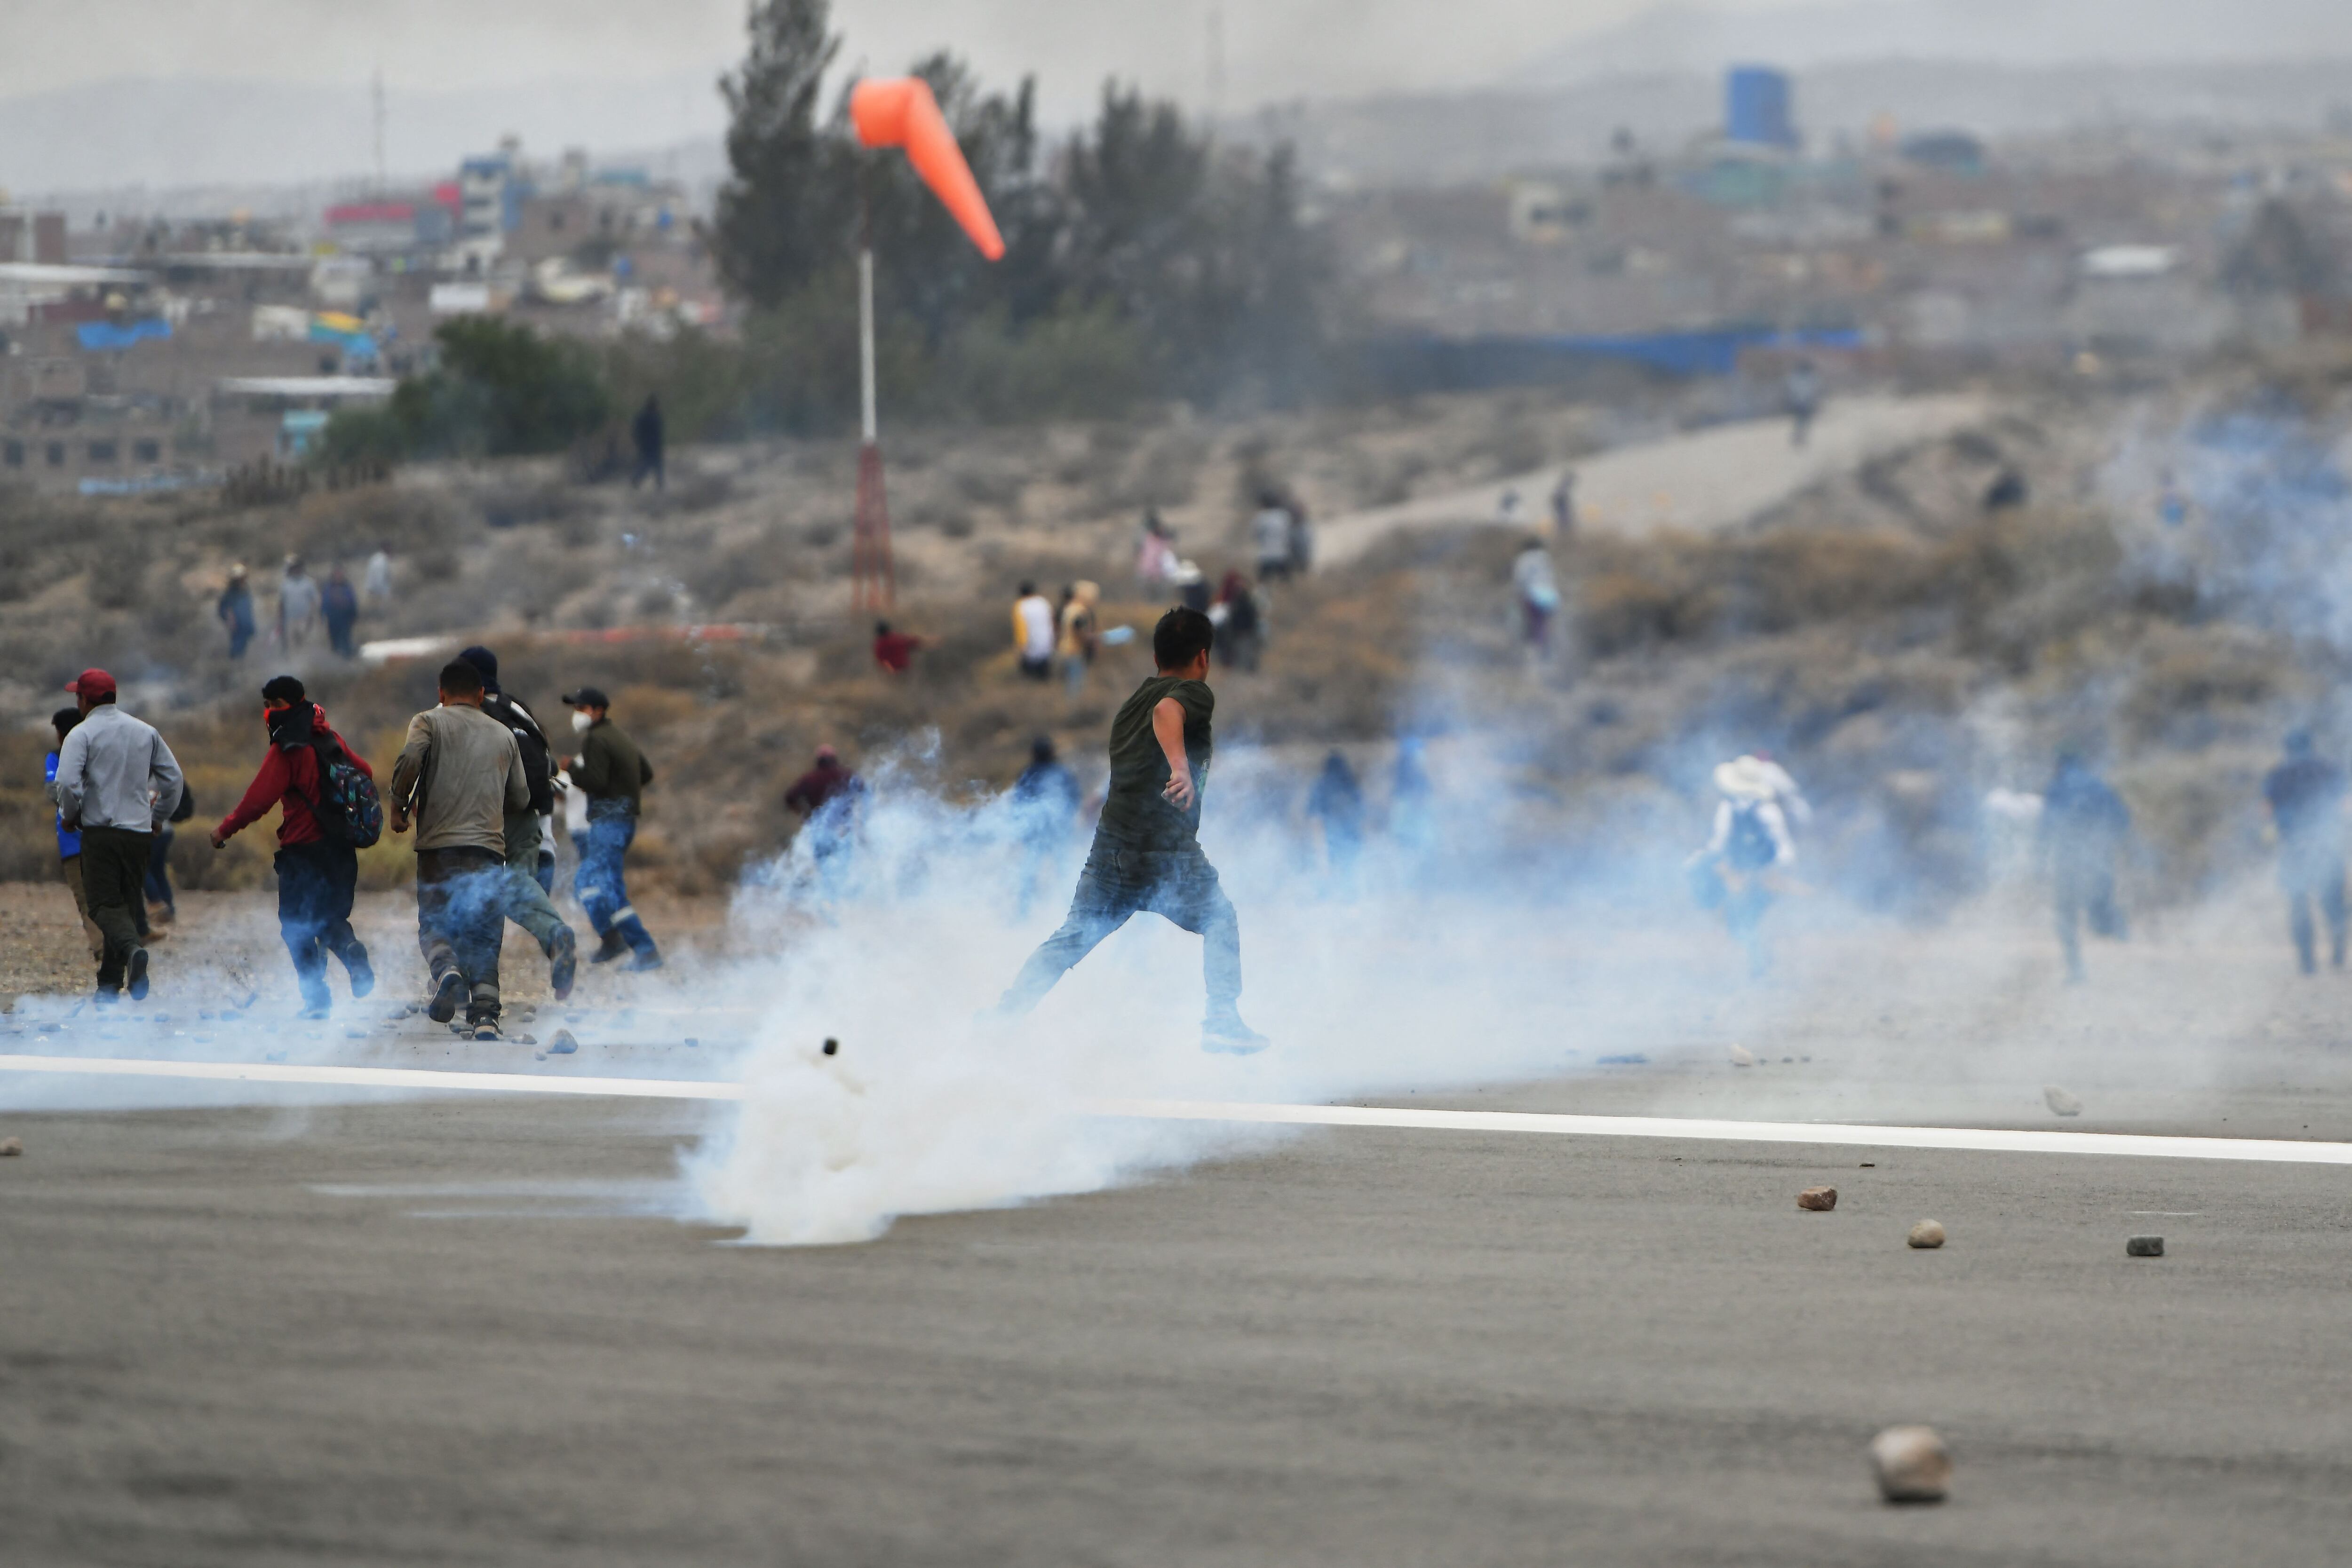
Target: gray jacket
point(459, 774)
point(114, 771)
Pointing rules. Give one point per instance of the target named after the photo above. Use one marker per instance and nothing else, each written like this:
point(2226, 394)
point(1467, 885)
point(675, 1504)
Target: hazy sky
point(1272, 49)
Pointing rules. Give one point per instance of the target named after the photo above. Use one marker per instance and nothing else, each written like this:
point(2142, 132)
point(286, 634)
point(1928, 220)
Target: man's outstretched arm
point(1168, 728)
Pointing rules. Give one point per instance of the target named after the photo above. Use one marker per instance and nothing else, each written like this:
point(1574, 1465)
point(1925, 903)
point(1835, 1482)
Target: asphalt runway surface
point(470, 1328)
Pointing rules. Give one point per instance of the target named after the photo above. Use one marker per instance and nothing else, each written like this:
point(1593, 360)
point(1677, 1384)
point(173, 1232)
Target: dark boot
point(615, 946)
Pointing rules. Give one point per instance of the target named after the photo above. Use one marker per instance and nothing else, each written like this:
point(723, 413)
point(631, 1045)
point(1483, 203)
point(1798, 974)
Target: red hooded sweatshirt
point(289, 777)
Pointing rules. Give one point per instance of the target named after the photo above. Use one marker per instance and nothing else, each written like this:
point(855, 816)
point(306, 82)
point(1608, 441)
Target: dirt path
point(1707, 479)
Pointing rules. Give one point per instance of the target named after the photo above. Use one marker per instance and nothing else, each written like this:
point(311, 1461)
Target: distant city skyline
point(276, 90)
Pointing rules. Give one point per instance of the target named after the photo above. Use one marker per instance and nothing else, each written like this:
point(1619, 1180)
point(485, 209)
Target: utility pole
point(873, 583)
point(380, 186)
point(1216, 65)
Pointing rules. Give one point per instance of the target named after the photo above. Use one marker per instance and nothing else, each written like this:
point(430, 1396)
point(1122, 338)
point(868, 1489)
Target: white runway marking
point(1991, 1140)
point(1981, 1139)
point(373, 1077)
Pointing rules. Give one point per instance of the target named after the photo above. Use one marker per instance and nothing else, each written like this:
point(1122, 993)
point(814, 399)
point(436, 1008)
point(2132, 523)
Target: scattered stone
point(11, 1147)
point(2061, 1103)
point(1912, 1464)
point(273, 1056)
point(1821, 1199)
point(2144, 1246)
point(1631, 1059)
point(691, 1041)
point(1740, 1057)
point(1787, 1061)
point(563, 1045)
point(539, 1056)
point(832, 1046)
point(1870, 1164)
point(161, 1017)
point(411, 1009)
point(355, 1034)
point(573, 1018)
point(526, 1040)
point(1926, 1233)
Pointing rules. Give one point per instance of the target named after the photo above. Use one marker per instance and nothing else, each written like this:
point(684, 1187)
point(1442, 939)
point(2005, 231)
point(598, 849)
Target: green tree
point(780, 215)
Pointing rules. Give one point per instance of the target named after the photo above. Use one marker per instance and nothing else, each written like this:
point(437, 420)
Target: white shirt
point(379, 576)
point(1271, 529)
point(1785, 791)
point(1037, 627)
point(1531, 575)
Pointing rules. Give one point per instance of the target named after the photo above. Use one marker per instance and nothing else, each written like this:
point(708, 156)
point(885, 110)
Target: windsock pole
point(900, 113)
point(873, 576)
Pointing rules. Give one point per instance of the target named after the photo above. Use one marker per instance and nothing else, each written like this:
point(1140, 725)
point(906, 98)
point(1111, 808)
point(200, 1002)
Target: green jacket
point(610, 767)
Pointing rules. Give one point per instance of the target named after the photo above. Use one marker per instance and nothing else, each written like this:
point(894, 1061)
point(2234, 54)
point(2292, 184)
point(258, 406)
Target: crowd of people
point(305, 604)
point(477, 780)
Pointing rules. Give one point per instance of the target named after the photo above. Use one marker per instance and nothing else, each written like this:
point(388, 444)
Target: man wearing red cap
point(116, 779)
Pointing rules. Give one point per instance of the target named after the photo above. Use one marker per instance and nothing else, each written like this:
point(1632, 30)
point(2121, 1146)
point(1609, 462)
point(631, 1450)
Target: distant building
point(36, 238)
point(1757, 107)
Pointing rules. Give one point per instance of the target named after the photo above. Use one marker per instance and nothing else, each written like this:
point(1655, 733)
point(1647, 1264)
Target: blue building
point(1757, 102)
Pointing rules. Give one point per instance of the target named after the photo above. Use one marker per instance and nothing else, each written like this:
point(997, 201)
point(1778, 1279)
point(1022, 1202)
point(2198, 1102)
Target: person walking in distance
point(1032, 633)
point(1081, 635)
point(1336, 801)
point(612, 773)
point(2305, 794)
point(339, 604)
point(115, 779)
point(1563, 507)
point(1539, 595)
point(69, 841)
point(2084, 823)
point(1045, 801)
point(234, 610)
point(458, 774)
point(646, 430)
point(376, 587)
point(1804, 397)
point(1747, 858)
point(163, 904)
point(297, 605)
point(827, 797)
point(1270, 538)
point(531, 832)
point(318, 869)
point(1146, 849)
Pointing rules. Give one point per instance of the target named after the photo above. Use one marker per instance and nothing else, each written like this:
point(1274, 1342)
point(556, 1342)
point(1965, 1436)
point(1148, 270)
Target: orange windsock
point(899, 111)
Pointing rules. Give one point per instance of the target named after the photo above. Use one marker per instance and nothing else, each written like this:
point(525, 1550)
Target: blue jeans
point(460, 917)
point(1118, 882)
point(602, 883)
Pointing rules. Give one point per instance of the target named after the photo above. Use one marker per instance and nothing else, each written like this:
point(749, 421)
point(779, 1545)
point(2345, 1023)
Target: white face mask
point(581, 720)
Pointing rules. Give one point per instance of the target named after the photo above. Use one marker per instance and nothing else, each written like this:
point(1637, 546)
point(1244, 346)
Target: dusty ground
point(486, 1329)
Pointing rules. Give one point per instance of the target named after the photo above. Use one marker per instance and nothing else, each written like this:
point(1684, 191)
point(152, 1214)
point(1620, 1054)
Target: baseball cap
point(92, 683)
point(587, 697)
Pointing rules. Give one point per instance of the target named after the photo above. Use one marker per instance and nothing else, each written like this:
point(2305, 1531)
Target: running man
point(1147, 848)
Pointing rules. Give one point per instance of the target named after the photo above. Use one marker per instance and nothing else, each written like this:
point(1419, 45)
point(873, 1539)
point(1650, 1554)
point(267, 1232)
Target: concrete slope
point(1707, 479)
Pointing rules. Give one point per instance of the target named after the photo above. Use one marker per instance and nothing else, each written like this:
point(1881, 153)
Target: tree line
point(1144, 261)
